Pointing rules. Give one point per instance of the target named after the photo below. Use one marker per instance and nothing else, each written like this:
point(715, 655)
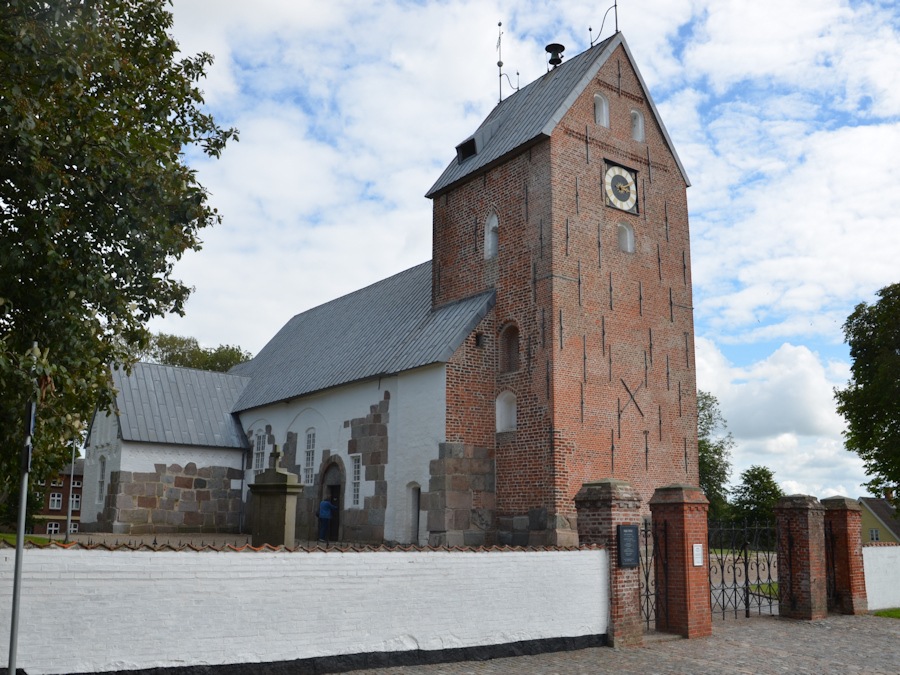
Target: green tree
point(175, 350)
point(756, 496)
point(97, 205)
point(871, 401)
point(714, 453)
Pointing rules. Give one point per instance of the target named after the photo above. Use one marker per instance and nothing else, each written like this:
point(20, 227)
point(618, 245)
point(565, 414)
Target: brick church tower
point(569, 202)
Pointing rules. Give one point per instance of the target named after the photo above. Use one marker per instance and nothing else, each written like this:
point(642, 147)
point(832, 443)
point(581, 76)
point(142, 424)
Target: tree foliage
point(97, 203)
point(756, 495)
point(871, 401)
point(714, 453)
point(186, 352)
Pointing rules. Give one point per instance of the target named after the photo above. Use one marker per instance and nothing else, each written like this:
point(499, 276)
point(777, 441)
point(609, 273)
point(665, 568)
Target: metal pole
point(20, 533)
point(71, 480)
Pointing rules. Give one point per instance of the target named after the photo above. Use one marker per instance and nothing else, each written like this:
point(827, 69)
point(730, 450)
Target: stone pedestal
point(844, 517)
point(681, 511)
point(801, 558)
point(274, 493)
point(602, 506)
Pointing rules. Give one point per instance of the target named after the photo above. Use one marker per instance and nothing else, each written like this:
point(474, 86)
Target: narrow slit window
point(491, 236)
point(309, 461)
point(506, 412)
point(357, 475)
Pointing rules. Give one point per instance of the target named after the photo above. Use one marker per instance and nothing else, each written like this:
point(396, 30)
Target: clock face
point(621, 188)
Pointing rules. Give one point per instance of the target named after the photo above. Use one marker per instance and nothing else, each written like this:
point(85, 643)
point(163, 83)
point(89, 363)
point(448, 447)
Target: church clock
point(620, 185)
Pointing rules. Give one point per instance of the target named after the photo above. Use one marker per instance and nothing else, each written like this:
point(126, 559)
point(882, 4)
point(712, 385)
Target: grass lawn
point(769, 590)
point(890, 613)
point(11, 538)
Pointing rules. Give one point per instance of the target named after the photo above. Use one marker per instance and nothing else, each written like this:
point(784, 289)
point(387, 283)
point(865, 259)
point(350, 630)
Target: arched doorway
point(333, 491)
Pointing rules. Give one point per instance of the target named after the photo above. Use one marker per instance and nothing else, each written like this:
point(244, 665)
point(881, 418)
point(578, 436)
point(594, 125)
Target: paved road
point(837, 645)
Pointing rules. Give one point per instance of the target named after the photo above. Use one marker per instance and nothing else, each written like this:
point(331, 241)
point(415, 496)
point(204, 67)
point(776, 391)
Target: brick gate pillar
point(602, 506)
point(683, 509)
point(843, 515)
point(801, 558)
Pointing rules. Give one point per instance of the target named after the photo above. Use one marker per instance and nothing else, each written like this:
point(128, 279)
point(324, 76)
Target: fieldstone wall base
point(171, 499)
point(602, 505)
point(802, 592)
point(462, 496)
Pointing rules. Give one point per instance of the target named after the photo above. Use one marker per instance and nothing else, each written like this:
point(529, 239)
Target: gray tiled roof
point(180, 406)
point(382, 329)
point(883, 510)
point(532, 113)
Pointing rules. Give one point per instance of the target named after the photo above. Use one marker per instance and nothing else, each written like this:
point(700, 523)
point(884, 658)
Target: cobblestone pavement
point(836, 645)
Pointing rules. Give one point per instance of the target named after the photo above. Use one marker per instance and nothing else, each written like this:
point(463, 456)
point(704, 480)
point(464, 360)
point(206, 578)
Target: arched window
point(509, 349)
point(260, 453)
point(601, 110)
point(101, 480)
point(309, 459)
point(637, 126)
point(506, 411)
point(491, 236)
point(626, 238)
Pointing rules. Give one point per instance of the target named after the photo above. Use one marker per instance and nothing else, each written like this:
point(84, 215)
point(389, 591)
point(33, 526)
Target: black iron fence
point(654, 573)
point(743, 568)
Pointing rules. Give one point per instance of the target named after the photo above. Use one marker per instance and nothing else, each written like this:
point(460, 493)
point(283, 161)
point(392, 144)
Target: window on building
point(309, 463)
point(626, 238)
point(52, 528)
point(55, 501)
point(874, 534)
point(76, 502)
point(506, 412)
point(73, 528)
point(259, 454)
point(509, 350)
point(101, 481)
point(491, 236)
point(637, 126)
point(42, 482)
point(76, 483)
point(356, 476)
point(601, 110)
point(56, 482)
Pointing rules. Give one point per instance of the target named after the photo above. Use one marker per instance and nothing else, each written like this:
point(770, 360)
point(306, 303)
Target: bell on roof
point(555, 50)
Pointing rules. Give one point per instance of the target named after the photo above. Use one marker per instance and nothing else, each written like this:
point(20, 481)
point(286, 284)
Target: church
point(462, 402)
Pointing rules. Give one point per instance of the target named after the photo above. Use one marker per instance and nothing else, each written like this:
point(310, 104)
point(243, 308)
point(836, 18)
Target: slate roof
point(531, 114)
point(382, 329)
point(179, 406)
point(884, 512)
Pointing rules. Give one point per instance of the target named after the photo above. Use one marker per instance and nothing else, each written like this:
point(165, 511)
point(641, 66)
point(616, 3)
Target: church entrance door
point(334, 487)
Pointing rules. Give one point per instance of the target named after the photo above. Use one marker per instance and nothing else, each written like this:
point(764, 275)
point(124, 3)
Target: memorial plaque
point(698, 555)
point(629, 550)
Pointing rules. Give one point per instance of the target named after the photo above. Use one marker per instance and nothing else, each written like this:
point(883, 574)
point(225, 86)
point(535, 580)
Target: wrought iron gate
point(654, 573)
point(743, 568)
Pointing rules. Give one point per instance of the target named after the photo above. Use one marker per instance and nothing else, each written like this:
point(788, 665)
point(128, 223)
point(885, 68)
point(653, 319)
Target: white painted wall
point(417, 424)
point(882, 567)
point(142, 609)
point(105, 442)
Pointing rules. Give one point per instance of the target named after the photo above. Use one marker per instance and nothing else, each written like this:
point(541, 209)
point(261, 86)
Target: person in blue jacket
point(325, 510)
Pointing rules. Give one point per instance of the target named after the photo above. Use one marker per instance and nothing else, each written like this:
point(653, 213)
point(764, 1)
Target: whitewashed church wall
point(141, 457)
point(417, 424)
point(279, 606)
point(105, 442)
point(882, 567)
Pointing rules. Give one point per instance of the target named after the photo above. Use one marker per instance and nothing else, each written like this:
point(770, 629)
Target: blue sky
point(786, 116)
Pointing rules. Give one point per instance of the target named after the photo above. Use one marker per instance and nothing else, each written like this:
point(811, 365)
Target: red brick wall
point(533, 471)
